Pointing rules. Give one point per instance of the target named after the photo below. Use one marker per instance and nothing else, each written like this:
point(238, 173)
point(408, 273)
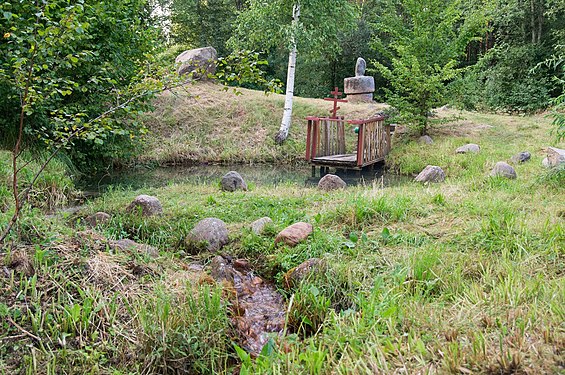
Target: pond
point(257, 175)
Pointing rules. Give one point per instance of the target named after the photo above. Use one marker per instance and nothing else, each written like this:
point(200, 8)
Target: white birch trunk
point(282, 135)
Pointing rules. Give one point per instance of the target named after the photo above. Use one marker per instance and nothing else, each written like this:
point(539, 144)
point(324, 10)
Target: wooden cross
point(335, 99)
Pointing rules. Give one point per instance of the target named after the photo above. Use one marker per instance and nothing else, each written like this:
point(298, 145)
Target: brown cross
point(335, 99)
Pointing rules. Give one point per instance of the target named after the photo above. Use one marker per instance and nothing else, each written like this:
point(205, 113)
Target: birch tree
point(311, 34)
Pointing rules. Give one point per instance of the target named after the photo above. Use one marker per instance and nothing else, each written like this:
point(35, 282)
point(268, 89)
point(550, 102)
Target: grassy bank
point(204, 123)
point(465, 276)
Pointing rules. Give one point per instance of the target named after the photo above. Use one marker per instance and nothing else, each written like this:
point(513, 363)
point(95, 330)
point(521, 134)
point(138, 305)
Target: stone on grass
point(294, 276)
point(471, 147)
point(521, 157)
point(130, 245)
point(431, 173)
point(220, 269)
point(233, 181)
point(201, 61)
point(98, 218)
point(331, 182)
point(147, 204)
point(209, 234)
point(425, 139)
point(294, 234)
point(545, 163)
point(258, 226)
point(503, 169)
point(555, 156)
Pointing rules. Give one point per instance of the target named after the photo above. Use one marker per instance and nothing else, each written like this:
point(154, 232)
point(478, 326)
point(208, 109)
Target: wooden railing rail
point(373, 140)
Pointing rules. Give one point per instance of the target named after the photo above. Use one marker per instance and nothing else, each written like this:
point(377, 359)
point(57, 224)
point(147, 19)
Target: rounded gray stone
point(432, 173)
point(98, 218)
point(503, 169)
point(233, 181)
point(147, 204)
point(331, 182)
point(258, 226)
point(201, 61)
point(521, 157)
point(471, 147)
point(555, 156)
point(210, 234)
point(426, 139)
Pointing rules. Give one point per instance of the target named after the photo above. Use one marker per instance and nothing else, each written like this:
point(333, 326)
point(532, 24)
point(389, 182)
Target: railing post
point(308, 140)
point(360, 145)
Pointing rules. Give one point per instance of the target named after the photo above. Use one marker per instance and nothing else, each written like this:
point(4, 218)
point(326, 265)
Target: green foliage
point(199, 23)
point(243, 69)
point(423, 42)
point(64, 64)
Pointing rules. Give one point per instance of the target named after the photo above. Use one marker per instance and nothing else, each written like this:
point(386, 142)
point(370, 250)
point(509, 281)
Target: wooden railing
point(373, 140)
point(327, 137)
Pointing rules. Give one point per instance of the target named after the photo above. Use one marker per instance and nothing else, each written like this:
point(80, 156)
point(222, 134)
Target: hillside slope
point(204, 123)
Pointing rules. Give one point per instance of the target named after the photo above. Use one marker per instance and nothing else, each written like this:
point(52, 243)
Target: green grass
point(465, 276)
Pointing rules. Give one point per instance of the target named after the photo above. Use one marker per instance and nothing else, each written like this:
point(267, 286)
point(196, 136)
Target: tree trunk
point(282, 135)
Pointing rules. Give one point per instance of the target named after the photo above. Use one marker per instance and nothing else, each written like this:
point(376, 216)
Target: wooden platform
point(344, 160)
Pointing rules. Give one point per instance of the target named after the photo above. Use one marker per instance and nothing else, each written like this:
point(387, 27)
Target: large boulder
point(233, 181)
point(201, 61)
point(502, 169)
point(302, 271)
point(555, 156)
point(147, 204)
point(331, 182)
point(294, 234)
point(521, 157)
point(258, 226)
point(431, 173)
point(209, 234)
point(471, 147)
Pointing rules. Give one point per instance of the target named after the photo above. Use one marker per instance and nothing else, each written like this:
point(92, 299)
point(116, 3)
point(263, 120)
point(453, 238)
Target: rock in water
point(331, 182)
point(201, 61)
point(521, 157)
point(233, 181)
point(425, 139)
point(258, 226)
point(98, 218)
point(431, 173)
point(210, 234)
point(503, 169)
point(471, 147)
point(294, 234)
point(148, 205)
point(293, 277)
point(555, 156)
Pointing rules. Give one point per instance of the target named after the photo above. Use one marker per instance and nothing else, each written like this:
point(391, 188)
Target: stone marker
point(521, 157)
point(210, 234)
point(233, 181)
point(426, 139)
point(294, 234)
point(148, 205)
point(471, 147)
point(359, 88)
point(129, 245)
point(98, 218)
point(431, 173)
point(258, 226)
point(331, 182)
point(294, 276)
point(503, 169)
point(198, 59)
point(555, 156)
